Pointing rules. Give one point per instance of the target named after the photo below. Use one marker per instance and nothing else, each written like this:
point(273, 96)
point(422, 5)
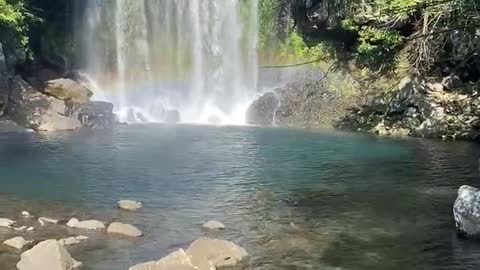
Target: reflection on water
point(294, 199)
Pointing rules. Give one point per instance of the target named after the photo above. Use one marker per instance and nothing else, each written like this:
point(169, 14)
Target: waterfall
point(197, 57)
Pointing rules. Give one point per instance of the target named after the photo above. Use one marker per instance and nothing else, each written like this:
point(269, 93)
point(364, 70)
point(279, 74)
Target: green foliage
point(267, 13)
point(377, 47)
point(295, 49)
point(15, 19)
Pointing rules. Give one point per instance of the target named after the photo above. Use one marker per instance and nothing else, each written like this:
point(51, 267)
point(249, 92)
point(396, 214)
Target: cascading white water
point(194, 56)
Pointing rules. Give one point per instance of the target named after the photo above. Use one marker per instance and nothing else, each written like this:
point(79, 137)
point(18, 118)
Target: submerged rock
point(69, 241)
point(49, 255)
point(466, 211)
point(17, 242)
point(124, 229)
point(129, 205)
point(72, 222)
point(89, 225)
point(22, 228)
point(262, 111)
point(44, 220)
point(213, 225)
point(6, 223)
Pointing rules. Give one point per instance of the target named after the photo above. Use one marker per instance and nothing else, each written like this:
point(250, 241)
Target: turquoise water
point(295, 199)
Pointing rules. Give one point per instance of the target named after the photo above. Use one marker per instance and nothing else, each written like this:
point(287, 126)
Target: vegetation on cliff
point(387, 36)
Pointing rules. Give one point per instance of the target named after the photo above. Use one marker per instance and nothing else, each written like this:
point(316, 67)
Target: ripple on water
point(294, 199)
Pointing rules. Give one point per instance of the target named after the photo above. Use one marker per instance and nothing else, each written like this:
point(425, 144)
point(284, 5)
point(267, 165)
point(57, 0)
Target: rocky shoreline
point(53, 253)
point(48, 100)
point(420, 108)
point(444, 109)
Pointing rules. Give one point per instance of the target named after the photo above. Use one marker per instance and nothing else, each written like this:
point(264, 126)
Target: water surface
point(295, 199)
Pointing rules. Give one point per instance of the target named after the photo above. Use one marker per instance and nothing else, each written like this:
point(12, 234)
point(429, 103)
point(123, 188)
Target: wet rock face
point(420, 109)
point(466, 211)
point(262, 110)
point(96, 114)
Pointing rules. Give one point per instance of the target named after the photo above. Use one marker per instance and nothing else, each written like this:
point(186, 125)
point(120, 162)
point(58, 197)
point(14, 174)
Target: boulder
point(17, 242)
point(213, 225)
point(262, 111)
point(89, 225)
point(172, 116)
point(72, 222)
point(177, 260)
point(124, 229)
point(6, 223)
point(96, 114)
point(49, 255)
point(68, 241)
point(129, 205)
point(203, 254)
point(208, 253)
point(68, 90)
point(34, 110)
point(466, 211)
point(26, 214)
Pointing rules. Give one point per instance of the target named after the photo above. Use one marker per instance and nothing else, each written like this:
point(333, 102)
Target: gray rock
point(177, 260)
point(208, 253)
point(69, 241)
point(21, 228)
point(89, 225)
point(124, 229)
point(129, 205)
point(213, 225)
point(44, 220)
point(262, 111)
point(203, 254)
point(466, 211)
point(96, 114)
point(35, 110)
point(49, 255)
point(16, 242)
point(6, 223)
point(72, 222)
point(68, 90)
